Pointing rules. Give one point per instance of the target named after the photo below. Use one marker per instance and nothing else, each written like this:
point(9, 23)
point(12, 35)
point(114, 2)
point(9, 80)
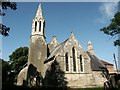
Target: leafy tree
point(18, 58)
point(17, 61)
point(5, 70)
point(113, 29)
point(11, 68)
point(4, 30)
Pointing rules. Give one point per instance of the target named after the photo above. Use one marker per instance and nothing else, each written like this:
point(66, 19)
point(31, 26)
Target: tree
point(11, 68)
point(4, 30)
point(5, 71)
point(113, 29)
point(17, 60)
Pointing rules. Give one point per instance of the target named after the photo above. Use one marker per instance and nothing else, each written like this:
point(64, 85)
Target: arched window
point(67, 64)
point(43, 27)
point(74, 59)
point(81, 64)
point(35, 26)
point(40, 26)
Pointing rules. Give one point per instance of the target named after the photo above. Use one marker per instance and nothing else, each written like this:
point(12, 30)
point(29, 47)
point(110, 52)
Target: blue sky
point(84, 19)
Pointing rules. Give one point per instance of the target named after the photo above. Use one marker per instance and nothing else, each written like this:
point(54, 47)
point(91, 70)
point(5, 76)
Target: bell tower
point(38, 25)
point(38, 45)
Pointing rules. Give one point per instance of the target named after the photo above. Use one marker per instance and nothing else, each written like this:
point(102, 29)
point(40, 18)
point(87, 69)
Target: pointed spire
point(38, 24)
point(39, 13)
point(90, 48)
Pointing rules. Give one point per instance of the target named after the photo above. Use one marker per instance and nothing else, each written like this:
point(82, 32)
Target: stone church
point(81, 68)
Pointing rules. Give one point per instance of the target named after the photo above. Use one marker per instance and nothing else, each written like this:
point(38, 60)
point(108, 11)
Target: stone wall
point(67, 48)
point(38, 53)
point(85, 80)
point(22, 76)
point(99, 78)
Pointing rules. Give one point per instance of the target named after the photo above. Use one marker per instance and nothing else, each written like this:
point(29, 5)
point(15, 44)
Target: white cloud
point(107, 11)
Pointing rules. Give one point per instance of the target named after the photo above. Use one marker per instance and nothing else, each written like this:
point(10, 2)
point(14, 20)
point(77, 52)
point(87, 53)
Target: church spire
point(90, 48)
point(39, 14)
point(38, 25)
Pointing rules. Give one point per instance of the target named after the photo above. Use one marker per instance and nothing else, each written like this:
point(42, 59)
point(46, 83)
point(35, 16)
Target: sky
point(84, 19)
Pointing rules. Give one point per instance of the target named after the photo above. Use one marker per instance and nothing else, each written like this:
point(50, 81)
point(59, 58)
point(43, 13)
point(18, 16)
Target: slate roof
point(96, 65)
point(106, 63)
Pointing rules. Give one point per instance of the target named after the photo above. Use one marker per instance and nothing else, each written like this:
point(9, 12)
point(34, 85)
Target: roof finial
point(90, 48)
